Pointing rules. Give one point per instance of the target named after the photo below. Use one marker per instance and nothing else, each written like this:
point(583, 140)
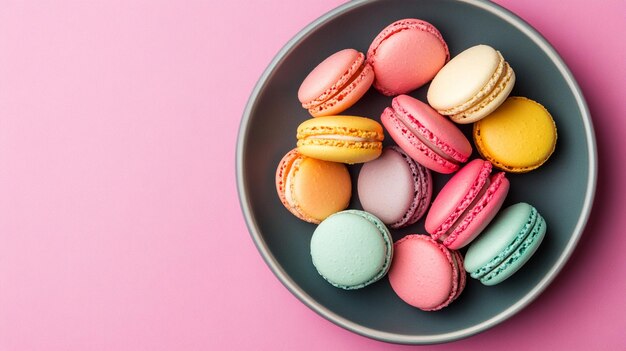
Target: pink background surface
point(120, 227)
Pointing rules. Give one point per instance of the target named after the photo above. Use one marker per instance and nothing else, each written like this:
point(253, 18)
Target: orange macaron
point(312, 189)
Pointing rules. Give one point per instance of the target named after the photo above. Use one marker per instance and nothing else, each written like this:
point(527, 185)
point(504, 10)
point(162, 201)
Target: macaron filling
point(289, 187)
point(339, 137)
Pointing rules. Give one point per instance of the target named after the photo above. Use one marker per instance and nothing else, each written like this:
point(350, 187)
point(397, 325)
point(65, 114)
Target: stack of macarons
point(465, 228)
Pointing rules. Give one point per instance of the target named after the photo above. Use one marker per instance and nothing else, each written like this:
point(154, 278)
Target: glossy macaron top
point(425, 274)
point(312, 189)
point(506, 244)
point(428, 137)
point(471, 85)
point(466, 204)
point(347, 139)
point(351, 249)
point(395, 188)
point(517, 137)
point(406, 55)
point(336, 83)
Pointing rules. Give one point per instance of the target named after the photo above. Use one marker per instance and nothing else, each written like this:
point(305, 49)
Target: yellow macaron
point(346, 139)
point(518, 137)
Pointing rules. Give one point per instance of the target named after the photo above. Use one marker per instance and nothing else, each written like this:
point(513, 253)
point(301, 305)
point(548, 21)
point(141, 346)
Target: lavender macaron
point(395, 188)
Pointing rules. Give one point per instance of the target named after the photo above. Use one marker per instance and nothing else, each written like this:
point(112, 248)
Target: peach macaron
point(336, 84)
point(312, 189)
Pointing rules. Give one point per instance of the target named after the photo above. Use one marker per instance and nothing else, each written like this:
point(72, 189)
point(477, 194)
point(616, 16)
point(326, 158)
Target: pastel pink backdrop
point(120, 227)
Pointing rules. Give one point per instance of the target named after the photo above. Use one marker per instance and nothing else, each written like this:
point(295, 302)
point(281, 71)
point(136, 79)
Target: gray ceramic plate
point(562, 189)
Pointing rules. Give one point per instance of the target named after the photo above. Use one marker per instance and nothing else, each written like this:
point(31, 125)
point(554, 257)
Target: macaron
point(506, 244)
point(406, 55)
point(351, 249)
point(395, 188)
point(519, 136)
point(336, 83)
point(425, 274)
point(472, 85)
point(425, 135)
point(466, 204)
point(347, 139)
point(312, 189)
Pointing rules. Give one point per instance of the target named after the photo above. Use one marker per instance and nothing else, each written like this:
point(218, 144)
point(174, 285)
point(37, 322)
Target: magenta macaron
point(428, 137)
point(466, 204)
point(425, 274)
point(336, 83)
point(395, 188)
point(406, 55)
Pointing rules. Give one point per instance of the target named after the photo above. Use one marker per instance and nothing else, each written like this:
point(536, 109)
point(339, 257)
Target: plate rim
point(275, 266)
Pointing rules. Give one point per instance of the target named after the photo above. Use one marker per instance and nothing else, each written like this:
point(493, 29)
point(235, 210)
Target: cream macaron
point(472, 85)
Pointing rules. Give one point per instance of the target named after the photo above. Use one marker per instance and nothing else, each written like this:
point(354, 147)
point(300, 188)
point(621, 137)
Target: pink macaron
point(428, 137)
point(395, 188)
point(406, 55)
point(466, 204)
point(336, 83)
point(425, 274)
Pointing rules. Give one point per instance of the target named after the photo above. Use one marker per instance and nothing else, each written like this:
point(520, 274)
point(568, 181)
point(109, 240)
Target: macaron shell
point(518, 137)
point(413, 146)
point(321, 188)
point(394, 188)
point(423, 273)
point(463, 77)
point(351, 249)
point(406, 55)
point(480, 215)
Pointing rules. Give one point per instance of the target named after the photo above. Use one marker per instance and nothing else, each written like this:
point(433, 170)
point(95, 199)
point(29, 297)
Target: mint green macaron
point(506, 244)
point(351, 249)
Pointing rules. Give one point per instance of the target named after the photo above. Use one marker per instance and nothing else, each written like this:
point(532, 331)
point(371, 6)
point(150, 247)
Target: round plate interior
point(562, 189)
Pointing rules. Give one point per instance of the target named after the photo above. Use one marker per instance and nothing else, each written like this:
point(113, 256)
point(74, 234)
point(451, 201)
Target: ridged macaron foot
point(395, 188)
point(425, 135)
point(336, 83)
point(351, 249)
point(466, 204)
point(312, 189)
point(406, 55)
point(506, 244)
point(471, 85)
point(347, 139)
point(518, 137)
point(425, 274)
